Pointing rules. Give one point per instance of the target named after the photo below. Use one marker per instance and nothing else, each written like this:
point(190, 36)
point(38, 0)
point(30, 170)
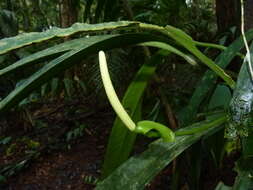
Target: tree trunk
point(248, 14)
point(68, 16)
point(228, 14)
point(68, 13)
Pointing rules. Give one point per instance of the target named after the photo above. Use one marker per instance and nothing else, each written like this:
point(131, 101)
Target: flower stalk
point(147, 128)
point(111, 94)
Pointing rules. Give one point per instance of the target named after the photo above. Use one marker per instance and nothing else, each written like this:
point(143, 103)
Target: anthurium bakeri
point(147, 128)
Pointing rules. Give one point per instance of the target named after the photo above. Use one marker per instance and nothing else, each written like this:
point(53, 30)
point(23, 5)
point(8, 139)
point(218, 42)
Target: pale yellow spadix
point(111, 94)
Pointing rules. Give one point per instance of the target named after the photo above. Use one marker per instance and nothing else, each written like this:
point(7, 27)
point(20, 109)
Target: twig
point(248, 56)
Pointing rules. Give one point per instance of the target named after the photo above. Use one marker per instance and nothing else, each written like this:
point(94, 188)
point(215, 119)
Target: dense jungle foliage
point(126, 94)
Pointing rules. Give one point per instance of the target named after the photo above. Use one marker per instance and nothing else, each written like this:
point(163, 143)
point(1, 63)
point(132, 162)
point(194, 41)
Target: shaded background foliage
point(167, 95)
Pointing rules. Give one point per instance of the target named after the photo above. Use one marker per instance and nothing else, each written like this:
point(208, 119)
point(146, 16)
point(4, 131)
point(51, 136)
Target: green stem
point(154, 129)
point(195, 129)
point(248, 55)
point(216, 46)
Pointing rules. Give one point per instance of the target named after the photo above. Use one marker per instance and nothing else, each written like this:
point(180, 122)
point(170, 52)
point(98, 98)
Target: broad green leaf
point(21, 40)
point(50, 53)
point(209, 79)
point(66, 61)
point(182, 38)
point(220, 98)
point(121, 139)
point(8, 44)
point(138, 171)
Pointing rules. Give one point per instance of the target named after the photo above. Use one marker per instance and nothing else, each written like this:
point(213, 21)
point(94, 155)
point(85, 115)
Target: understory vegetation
point(126, 94)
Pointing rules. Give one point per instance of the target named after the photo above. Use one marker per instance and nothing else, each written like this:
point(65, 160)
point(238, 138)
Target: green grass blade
point(66, 61)
point(138, 171)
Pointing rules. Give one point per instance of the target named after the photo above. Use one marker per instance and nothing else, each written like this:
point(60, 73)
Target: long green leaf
point(67, 60)
point(51, 53)
point(8, 44)
point(138, 171)
point(21, 40)
point(176, 34)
